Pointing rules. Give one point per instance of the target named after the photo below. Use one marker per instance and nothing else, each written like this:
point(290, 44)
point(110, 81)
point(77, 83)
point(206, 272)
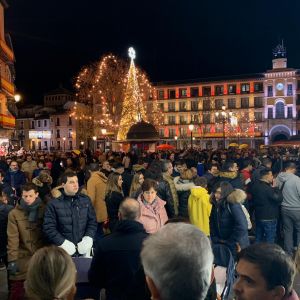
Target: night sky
point(174, 40)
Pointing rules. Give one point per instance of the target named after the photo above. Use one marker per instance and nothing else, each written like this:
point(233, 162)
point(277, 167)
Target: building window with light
point(258, 87)
point(171, 106)
point(171, 120)
point(182, 120)
point(258, 102)
point(194, 105)
point(206, 104)
point(172, 94)
point(195, 119)
point(231, 89)
point(279, 110)
point(161, 107)
point(245, 102)
point(182, 106)
point(161, 132)
point(290, 90)
point(245, 88)
point(218, 103)
point(258, 116)
point(231, 103)
point(206, 91)
point(206, 118)
point(183, 131)
point(182, 93)
point(270, 91)
point(172, 132)
point(160, 94)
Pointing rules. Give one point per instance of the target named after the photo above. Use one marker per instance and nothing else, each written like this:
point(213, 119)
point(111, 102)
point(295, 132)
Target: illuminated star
point(131, 53)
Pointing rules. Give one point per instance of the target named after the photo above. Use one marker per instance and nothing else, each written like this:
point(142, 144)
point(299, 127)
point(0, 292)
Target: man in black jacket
point(70, 220)
point(267, 200)
point(116, 265)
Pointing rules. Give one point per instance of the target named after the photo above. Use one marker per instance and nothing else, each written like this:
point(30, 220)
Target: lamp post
point(94, 139)
point(191, 128)
point(224, 116)
point(64, 139)
point(176, 138)
point(82, 145)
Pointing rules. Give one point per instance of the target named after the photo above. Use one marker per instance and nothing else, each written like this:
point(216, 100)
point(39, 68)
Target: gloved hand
point(13, 268)
point(85, 246)
point(69, 247)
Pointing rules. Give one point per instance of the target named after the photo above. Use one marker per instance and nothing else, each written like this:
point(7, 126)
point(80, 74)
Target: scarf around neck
point(32, 209)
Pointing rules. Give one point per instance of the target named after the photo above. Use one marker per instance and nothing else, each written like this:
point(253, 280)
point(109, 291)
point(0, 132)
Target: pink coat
point(153, 216)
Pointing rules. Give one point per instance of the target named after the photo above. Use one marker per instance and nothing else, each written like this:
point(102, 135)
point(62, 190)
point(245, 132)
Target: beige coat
point(170, 181)
point(96, 186)
point(24, 239)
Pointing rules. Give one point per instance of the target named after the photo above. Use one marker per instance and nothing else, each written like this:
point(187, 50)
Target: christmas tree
point(133, 109)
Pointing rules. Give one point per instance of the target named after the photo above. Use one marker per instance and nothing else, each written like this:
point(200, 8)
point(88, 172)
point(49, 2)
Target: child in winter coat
point(199, 205)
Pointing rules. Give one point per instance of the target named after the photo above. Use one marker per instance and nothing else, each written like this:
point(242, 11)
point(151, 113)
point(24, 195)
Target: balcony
point(8, 52)
point(7, 87)
point(8, 122)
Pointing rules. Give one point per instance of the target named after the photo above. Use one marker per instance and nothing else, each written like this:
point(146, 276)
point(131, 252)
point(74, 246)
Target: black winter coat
point(113, 201)
point(15, 180)
point(164, 193)
point(228, 225)
point(69, 217)
point(234, 179)
point(266, 200)
point(116, 265)
point(4, 210)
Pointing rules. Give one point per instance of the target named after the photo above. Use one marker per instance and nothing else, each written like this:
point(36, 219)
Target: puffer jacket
point(69, 217)
point(228, 223)
point(199, 208)
point(164, 193)
point(24, 238)
point(233, 178)
point(183, 188)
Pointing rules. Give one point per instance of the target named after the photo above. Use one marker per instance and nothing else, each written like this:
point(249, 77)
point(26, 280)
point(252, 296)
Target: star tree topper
point(131, 53)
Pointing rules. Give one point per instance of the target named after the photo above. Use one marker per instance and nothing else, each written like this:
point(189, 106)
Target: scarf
point(32, 209)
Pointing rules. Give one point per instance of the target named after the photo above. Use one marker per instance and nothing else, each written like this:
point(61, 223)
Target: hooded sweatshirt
point(199, 208)
point(291, 190)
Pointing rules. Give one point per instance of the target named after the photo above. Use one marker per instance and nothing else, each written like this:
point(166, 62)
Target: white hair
point(178, 258)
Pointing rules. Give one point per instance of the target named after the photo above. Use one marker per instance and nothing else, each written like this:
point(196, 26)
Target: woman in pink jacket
point(153, 212)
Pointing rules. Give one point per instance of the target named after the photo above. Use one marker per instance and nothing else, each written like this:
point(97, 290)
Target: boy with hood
point(24, 231)
point(199, 205)
point(289, 183)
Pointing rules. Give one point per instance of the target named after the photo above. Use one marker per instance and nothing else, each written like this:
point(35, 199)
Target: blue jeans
point(265, 231)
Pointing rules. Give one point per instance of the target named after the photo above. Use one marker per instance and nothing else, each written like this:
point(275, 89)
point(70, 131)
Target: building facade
point(7, 77)
point(250, 109)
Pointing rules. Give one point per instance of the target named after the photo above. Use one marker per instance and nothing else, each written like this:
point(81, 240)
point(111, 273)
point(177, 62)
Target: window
point(182, 106)
point(195, 119)
point(172, 132)
point(194, 105)
point(270, 91)
point(270, 113)
point(218, 103)
point(206, 104)
point(298, 100)
point(258, 116)
point(258, 102)
point(258, 87)
point(206, 118)
point(70, 121)
point(171, 106)
point(219, 90)
point(171, 120)
point(182, 119)
point(45, 123)
point(161, 132)
point(39, 123)
point(161, 107)
point(70, 133)
point(160, 94)
point(290, 90)
point(70, 145)
point(46, 144)
point(51, 120)
point(206, 91)
point(245, 88)
point(232, 89)
point(32, 124)
point(172, 94)
point(245, 102)
point(58, 145)
point(58, 133)
point(22, 125)
point(231, 103)
point(57, 122)
point(182, 93)
point(279, 110)
point(290, 112)
point(194, 91)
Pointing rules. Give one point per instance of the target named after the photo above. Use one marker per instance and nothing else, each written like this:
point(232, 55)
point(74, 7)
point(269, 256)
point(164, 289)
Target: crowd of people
point(150, 225)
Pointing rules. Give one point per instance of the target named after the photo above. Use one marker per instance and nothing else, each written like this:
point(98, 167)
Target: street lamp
point(64, 139)
point(17, 97)
point(191, 128)
point(224, 116)
point(94, 139)
point(176, 138)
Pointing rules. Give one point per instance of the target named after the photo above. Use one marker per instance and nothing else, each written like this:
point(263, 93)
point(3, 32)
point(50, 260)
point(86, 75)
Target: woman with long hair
point(51, 275)
point(136, 185)
point(153, 213)
point(113, 197)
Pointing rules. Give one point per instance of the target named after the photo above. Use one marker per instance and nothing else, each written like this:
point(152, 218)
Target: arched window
point(279, 110)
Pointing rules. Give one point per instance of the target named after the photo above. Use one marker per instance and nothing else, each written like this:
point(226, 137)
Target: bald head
point(129, 209)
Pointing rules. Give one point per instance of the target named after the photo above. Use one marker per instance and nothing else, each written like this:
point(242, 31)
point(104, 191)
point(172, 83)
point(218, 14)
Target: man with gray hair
point(116, 266)
point(178, 262)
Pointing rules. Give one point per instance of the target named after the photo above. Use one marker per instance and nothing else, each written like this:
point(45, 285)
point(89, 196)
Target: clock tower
point(279, 57)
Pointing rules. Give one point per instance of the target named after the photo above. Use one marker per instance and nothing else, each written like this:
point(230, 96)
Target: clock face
point(279, 86)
